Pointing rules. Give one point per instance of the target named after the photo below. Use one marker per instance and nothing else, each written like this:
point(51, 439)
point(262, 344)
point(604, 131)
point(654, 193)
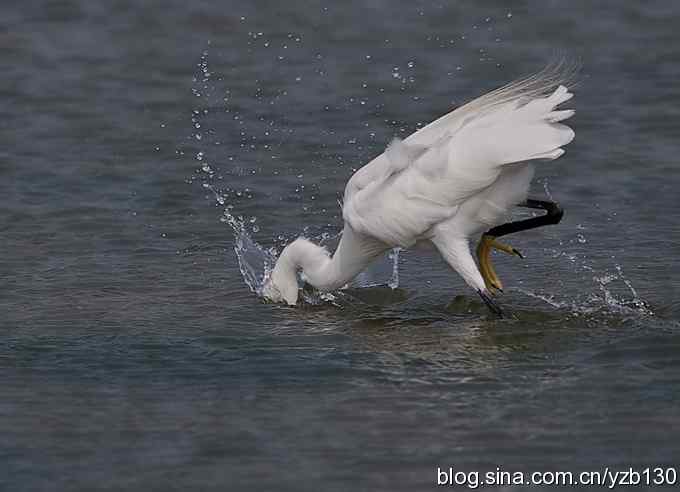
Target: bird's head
point(301, 255)
point(282, 285)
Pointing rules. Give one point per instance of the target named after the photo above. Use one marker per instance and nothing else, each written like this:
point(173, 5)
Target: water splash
point(393, 255)
point(605, 297)
point(256, 261)
point(619, 303)
point(611, 291)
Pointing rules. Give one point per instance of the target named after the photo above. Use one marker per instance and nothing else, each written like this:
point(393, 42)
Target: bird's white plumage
point(446, 183)
point(399, 203)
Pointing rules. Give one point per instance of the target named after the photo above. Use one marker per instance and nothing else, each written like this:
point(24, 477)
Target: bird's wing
point(531, 87)
point(396, 158)
point(396, 201)
point(420, 182)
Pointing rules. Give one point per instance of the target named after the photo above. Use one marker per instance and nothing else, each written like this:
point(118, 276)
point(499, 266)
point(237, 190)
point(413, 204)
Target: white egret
point(443, 186)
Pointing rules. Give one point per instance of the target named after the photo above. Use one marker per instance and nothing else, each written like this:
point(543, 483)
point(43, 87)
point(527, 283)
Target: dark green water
point(134, 357)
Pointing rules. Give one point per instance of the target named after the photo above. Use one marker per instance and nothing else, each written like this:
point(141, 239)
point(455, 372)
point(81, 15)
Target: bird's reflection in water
point(416, 327)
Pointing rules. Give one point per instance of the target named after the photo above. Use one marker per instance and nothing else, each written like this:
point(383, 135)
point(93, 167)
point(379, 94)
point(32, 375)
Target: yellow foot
point(486, 244)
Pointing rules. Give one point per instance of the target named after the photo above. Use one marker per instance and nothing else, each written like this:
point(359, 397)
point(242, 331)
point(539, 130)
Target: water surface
point(133, 354)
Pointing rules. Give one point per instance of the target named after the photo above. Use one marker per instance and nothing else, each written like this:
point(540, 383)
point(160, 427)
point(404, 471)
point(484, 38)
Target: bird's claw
point(486, 244)
point(516, 252)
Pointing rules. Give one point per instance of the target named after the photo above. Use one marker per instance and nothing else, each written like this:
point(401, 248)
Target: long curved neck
point(323, 271)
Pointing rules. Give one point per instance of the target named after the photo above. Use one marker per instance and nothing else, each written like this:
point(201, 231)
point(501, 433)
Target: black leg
point(553, 216)
point(491, 304)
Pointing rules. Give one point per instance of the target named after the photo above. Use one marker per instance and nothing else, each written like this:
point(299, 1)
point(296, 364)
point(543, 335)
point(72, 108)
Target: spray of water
point(611, 292)
point(603, 298)
point(256, 261)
